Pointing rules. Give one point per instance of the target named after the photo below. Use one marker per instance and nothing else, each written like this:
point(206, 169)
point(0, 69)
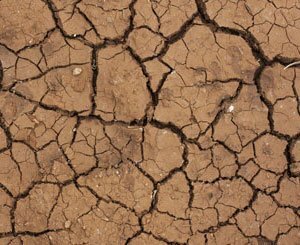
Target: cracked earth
point(149, 122)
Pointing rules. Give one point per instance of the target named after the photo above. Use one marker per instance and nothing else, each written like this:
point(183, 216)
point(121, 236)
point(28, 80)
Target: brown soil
point(149, 122)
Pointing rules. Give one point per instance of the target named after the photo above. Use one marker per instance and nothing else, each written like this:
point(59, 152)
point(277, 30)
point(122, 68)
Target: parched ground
point(149, 122)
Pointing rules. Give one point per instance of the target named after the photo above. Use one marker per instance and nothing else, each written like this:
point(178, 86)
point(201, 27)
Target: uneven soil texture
point(149, 122)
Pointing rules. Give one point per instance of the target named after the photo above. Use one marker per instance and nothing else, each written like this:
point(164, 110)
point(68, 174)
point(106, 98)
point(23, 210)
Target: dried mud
point(149, 122)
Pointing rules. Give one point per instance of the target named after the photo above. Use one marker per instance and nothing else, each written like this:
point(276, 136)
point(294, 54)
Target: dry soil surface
point(149, 122)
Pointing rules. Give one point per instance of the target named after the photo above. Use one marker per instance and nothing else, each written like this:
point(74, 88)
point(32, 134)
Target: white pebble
point(67, 224)
point(77, 71)
point(230, 109)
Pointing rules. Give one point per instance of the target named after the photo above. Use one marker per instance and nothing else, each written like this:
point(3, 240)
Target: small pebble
point(77, 71)
point(231, 108)
point(67, 224)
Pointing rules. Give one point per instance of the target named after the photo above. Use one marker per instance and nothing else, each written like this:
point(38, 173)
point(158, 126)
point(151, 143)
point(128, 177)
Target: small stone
point(231, 108)
point(67, 224)
point(77, 71)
